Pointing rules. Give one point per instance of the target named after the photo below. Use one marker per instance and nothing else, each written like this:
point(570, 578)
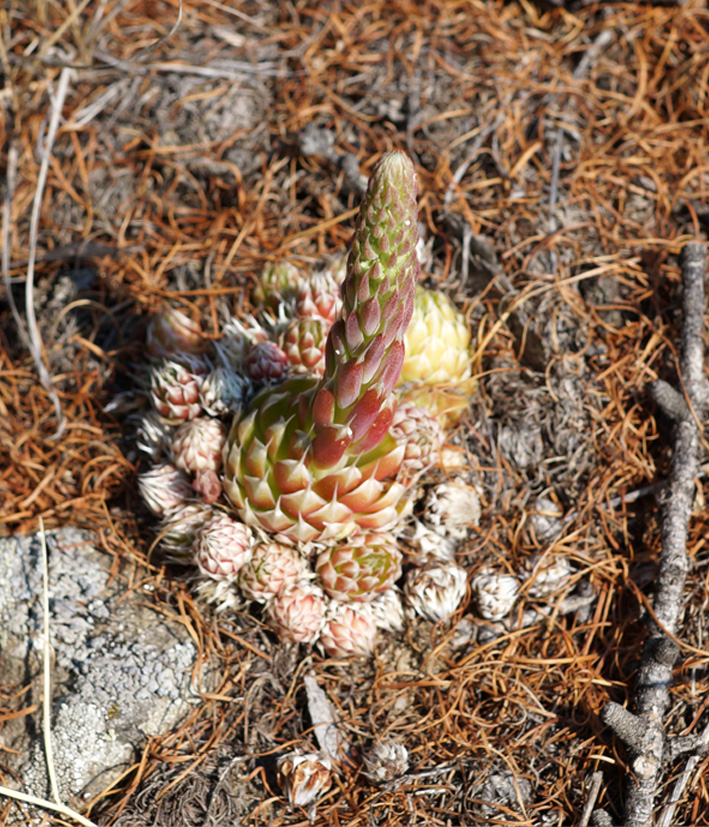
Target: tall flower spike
point(352, 408)
point(312, 460)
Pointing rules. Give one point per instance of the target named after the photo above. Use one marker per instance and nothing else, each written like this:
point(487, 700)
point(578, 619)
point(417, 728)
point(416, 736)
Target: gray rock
point(121, 671)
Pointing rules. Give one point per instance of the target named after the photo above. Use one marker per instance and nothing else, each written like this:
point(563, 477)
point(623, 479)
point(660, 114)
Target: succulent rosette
point(164, 488)
point(388, 611)
point(207, 484)
point(172, 332)
point(358, 372)
point(436, 590)
point(422, 436)
point(175, 389)
point(384, 761)
point(223, 391)
point(303, 776)
point(436, 373)
point(277, 284)
point(359, 568)
point(314, 459)
point(494, 593)
point(304, 343)
point(153, 435)
point(349, 631)
point(197, 445)
point(179, 529)
point(272, 568)
point(223, 547)
point(297, 613)
point(318, 297)
point(266, 362)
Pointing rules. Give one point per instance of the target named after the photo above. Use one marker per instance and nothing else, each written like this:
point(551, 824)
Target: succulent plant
point(297, 613)
point(164, 488)
point(304, 343)
point(179, 529)
point(238, 337)
point(547, 574)
point(318, 297)
point(197, 445)
point(171, 333)
point(436, 373)
point(277, 284)
point(494, 593)
point(303, 776)
point(223, 390)
point(387, 611)
point(266, 362)
point(349, 630)
point(451, 507)
point(422, 436)
point(272, 568)
point(153, 435)
point(314, 459)
point(175, 389)
point(223, 547)
point(207, 484)
point(436, 590)
point(427, 544)
point(327, 458)
point(359, 568)
point(384, 761)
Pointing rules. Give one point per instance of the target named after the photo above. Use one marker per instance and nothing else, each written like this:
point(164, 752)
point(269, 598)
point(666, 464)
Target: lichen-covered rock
point(121, 672)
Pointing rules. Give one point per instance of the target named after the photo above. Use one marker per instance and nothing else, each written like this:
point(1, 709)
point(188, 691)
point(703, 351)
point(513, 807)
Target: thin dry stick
point(596, 781)
point(643, 731)
point(667, 817)
point(32, 328)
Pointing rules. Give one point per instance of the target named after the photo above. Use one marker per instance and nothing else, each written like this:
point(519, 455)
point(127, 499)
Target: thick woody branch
point(643, 730)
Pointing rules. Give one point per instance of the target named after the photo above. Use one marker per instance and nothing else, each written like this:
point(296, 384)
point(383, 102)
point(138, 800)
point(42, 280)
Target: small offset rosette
point(437, 590)
point(304, 777)
point(349, 631)
point(494, 593)
point(385, 761)
point(223, 547)
point(297, 613)
point(360, 568)
point(164, 488)
point(272, 568)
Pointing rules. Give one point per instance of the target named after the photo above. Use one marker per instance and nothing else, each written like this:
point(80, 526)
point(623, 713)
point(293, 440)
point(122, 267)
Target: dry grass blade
point(47, 672)
point(32, 328)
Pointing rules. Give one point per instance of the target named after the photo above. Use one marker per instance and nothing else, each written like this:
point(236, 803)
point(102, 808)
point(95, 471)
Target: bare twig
point(596, 781)
point(6, 220)
point(642, 731)
point(667, 817)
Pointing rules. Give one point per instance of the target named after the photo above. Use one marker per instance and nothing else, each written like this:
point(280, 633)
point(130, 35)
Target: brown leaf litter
point(563, 154)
